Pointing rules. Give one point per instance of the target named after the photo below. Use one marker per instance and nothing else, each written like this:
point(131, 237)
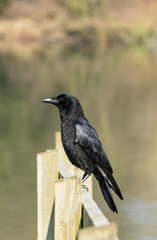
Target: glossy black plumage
point(83, 147)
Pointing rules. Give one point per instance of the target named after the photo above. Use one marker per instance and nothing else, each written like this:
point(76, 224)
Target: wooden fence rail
point(67, 211)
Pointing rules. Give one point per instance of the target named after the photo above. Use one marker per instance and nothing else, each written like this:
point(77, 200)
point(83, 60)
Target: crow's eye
point(61, 100)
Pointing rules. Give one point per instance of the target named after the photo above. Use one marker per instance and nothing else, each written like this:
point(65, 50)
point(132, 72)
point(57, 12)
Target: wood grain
point(108, 232)
point(68, 204)
point(47, 174)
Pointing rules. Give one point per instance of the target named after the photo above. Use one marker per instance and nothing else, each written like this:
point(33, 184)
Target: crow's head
point(66, 103)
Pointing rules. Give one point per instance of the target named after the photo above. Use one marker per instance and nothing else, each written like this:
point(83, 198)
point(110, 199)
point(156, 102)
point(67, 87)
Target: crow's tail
point(106, 191)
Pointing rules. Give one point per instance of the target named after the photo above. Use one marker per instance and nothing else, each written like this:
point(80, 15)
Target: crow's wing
point(89, 141)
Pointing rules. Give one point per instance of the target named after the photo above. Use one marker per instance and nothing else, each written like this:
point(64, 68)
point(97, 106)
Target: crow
point(83, 147)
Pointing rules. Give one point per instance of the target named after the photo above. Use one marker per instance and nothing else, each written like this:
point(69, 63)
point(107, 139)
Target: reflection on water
point(118, 90)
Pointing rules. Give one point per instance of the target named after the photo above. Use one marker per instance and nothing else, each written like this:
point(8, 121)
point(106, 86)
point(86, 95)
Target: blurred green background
point(116, 82)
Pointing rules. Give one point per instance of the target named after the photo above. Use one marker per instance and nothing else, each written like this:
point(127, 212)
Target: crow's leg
point(85, 176)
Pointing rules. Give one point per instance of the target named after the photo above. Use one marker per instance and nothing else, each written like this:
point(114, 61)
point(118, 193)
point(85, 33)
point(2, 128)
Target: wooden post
point(108, 232)
point(67, 208)
point(63, 156)
point(73, 170)
point(47, 174)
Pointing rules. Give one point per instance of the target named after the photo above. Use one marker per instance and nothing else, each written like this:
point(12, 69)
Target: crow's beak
point(51, 100)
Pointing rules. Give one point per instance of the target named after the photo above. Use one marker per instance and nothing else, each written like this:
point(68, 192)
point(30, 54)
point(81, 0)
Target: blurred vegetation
point(94, 22)
point(81, 7)
point(3, 4)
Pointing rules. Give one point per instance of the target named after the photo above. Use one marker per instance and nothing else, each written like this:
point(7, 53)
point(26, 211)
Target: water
point(118, 90)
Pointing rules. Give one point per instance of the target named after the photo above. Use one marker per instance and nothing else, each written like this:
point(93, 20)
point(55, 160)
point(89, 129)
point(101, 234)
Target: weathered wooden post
point(68, 202)
point(47, 174)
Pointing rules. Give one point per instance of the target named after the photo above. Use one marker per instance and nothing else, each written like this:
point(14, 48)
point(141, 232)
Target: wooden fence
point(66, 210)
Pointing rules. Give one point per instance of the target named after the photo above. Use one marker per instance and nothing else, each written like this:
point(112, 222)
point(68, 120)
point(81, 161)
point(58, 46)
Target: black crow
point(83, 147)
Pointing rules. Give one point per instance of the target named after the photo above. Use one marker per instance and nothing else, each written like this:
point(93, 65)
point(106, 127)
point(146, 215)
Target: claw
point(76, 140)
point(85, 188)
